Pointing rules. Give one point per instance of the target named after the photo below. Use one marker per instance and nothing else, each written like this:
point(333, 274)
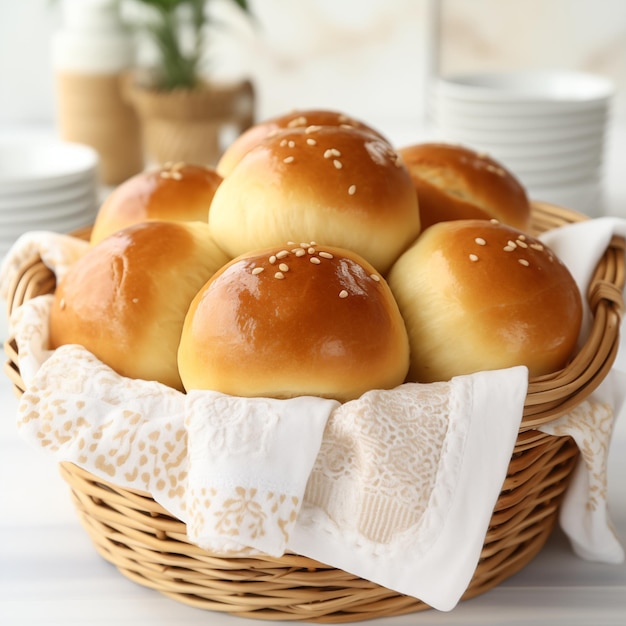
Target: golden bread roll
point(338, 185)
point(478, 295)
point(174, 192)
point(126, 299)
point(295, 119)
point(454, 182)
point(303, 319)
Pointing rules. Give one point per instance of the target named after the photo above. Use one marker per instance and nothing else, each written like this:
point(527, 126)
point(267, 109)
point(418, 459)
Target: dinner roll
point(178, 192)
point(125, 300)
point(305, 319)
point(455, 182)
point(478, 295)
point(295, 119)
point(332, 184)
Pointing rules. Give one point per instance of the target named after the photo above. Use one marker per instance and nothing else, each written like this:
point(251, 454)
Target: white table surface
point(51, 575)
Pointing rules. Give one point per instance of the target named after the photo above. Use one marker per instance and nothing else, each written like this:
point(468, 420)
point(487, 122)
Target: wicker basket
point(150, 547)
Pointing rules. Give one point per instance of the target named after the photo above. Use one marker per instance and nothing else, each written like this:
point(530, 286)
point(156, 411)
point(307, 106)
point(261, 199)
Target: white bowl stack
point(547, 127)
point(45, 185)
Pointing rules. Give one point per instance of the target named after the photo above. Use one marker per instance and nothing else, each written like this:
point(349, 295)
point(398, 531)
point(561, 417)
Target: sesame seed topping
point(282, 254)
point(135, 300)
point(297, 121)
point(343, 293)
point(62, 304)
point(326, 255)
point(523, 262)
point(311, 250)
point(312, 243)
point(304, 245)
point(352, 190)
point(177, 175)
point(299, 251)
point(315, 260)
point(283, 267)
point(375, 277)
point(291, 143)
point(165, 174)
point(283, 143)
point(521, 243)
point(279, 275)
point(480, 241)
point(536, 246)
point(493, 220)
point(288, 159)
point(311, 129)
point(473, 258)
point(331, 152)
point(257, 270)
point(273, 259)
point(522, 237)
point(311, 141)
point(508, 248)
point(337, 163)
point(511, 243)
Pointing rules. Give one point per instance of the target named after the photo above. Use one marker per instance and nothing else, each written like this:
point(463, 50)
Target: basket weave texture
point(150, 547)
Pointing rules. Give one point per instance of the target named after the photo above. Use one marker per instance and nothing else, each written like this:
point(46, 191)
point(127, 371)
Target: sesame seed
point(288, 159)
point(536, 246)
point(257, 270)
point(473, 258)
point(511, 243)
point(273, 259)
point(62, 304)
point(343, 293)
point(352, 190)
point(283, 267)
point(493, 220)
point(337, 164)
point(480, 241)
point(522, 237)
point(311, 129)
point(523, 262)
point(315, 260)
point(326, 255)
point(311, 250)
point(279, 275)
point(135, 300)
point(375, 277)
point(291, 143)
point(299, 251)
point(177, 176)
point(178, 166)
point(522, 244)
point(282, 254)
point(311, 141)
point(508, 248)
point(283, 143)
point(165, 175)
point(312, 243)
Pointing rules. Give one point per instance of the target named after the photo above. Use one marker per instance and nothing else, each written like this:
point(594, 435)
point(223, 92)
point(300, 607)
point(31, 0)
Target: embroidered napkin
point(584, 515)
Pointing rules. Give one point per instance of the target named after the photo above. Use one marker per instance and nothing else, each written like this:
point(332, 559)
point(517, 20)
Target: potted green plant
point(181, 110)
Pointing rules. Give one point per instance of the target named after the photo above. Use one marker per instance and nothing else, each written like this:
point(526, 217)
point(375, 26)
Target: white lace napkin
point(584, 515)
point(392, 487)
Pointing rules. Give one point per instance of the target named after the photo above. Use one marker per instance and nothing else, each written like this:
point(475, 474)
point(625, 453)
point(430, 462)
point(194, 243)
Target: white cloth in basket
point(392, 487)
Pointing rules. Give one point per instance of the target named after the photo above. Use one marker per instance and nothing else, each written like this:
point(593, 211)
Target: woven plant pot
point(186, 124)
point(149, 546)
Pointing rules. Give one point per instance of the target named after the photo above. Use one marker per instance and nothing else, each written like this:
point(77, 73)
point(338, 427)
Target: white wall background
point(370, 58)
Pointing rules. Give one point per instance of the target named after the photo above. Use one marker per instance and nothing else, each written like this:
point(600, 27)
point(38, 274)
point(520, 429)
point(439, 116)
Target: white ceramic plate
point(47, 197)
point(28, 166)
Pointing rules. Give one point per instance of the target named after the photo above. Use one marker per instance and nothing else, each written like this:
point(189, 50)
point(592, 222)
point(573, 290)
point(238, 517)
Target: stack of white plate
point(547, 127)
point(45, 185)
